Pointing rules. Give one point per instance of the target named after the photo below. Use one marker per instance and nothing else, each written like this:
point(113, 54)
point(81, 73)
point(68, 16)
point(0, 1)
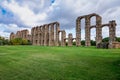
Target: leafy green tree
point(74, 43)
point(4, 41)
point(20, 41)
point(83, 42)
point(118, 39)
point(24, 42)
point(16, 41)
point(106, 39)
point(93, 43)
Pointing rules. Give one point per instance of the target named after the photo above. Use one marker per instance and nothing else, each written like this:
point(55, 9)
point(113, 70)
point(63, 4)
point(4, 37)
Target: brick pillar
point(78, 32)
point(39, 35)
point(98, 30)
point(87, 31)
point(42, 35)
point(57, 34)
point(47, 35)
point(70, 39)
point(63, 38)
point(51, 35)
point(45, 27)
point(33, 36)
point(112, 31)
point(50, 39)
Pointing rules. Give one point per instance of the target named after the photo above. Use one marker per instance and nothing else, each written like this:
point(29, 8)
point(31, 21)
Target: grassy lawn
point(59, 63)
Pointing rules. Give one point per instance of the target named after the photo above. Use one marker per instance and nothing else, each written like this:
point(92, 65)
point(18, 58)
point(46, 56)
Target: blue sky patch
point(52, 1)
point(6, 12)
point(3, 11)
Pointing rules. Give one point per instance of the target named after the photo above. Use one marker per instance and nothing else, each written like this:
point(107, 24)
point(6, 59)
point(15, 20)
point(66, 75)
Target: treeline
point(4, 41)
point(20, 41)
point(93, 43)
point(16, 41)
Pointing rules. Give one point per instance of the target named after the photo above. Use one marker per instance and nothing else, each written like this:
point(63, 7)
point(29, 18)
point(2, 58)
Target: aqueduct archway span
point(87, 29)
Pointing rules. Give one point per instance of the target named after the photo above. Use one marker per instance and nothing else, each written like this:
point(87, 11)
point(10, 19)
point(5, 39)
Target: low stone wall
point(114, 45)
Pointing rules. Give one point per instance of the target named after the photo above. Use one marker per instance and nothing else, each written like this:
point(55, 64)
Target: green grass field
point(59, 63)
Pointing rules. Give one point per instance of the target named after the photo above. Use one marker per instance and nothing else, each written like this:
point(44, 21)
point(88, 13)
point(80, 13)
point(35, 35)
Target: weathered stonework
point(114, 45)
point(47, 35)
point(98, 26)
point(51, 35)
point(12, 36)
point(24, 34)
point(70, 39)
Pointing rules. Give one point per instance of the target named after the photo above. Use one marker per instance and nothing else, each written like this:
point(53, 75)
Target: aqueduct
point(98, 26)
point(51, 35)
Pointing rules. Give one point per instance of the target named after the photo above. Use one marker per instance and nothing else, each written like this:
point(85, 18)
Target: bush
point(83, 42)
point(20, 41)
point(4, 41)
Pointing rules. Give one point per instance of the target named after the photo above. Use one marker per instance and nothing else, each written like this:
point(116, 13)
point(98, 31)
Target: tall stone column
point(63, 38)
point(42, 35)
point(78, 32)
point(57, 34)
point(98, 29)
point(112, 31)
point(34, 36)
point(51, 35)
point(50, 39)
point(47, 35)
point(37, 35)
point(87, 31)
point(70, 39)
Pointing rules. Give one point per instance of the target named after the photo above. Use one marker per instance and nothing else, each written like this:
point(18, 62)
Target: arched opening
point(105, 32)
point(93, 36)
point(60, 38)
point(93, 20)
point(83, 31)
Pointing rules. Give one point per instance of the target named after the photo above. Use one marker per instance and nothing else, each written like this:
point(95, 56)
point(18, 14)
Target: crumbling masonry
point(51, 35)
point(98, 26)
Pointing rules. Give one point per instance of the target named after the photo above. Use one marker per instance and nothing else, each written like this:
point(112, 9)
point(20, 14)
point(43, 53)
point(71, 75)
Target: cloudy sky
point(25, 14)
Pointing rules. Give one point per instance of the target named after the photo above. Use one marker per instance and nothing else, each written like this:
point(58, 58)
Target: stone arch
point(98, 28)
point(62, 42)
point(78, 30)
point(112, 30)
point(91, 29)
point(56, 33)
point(87, 29)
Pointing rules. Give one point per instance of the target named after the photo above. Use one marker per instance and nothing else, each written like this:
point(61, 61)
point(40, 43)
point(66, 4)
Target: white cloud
point(7, 29)
point(25, 14)
point(37, 12)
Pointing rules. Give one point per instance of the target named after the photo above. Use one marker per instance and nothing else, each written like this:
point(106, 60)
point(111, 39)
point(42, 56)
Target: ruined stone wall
point(12, 36)
point(24, 34)
point(47, 35)
point(98, 26)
